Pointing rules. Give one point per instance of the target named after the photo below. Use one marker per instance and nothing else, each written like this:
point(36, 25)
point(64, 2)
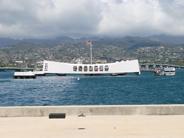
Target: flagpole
point(91, 53)
point(90, 43)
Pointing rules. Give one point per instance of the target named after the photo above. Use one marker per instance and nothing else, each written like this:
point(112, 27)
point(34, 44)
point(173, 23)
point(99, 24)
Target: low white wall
point(36, 111)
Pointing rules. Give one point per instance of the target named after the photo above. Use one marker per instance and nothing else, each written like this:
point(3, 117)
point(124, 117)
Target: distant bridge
point(150, 65)
point(16, 69)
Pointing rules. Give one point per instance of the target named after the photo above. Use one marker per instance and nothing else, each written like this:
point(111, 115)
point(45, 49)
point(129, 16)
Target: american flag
point(88, 42)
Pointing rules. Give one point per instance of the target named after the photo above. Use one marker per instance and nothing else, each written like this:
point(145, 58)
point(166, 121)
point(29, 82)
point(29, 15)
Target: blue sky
point(85, 18)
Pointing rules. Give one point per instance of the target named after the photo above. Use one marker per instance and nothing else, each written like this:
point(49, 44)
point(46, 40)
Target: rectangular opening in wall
point(101, 68)
point(90, 68)
point(96, 68)
point(80, 68)
point(106, 68)
point(85, 68)
point(74, 68)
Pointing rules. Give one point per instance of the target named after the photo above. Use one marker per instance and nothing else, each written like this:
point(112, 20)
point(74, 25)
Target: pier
point(41, 111)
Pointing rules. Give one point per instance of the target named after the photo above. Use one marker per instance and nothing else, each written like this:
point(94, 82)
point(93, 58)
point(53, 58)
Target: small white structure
point(20, 62)
point(24, 75)
point(119, 68)
point(169, 71)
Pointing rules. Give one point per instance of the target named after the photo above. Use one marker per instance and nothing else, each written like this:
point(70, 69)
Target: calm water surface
point(57, 90)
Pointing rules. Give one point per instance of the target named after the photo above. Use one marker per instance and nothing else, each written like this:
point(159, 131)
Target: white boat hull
point(169, 73)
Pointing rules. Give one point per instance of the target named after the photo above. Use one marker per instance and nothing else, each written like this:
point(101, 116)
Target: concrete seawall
point(38, 111)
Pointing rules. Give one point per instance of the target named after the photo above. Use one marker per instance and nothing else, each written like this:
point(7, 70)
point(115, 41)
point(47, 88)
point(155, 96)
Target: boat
point(122, 67)
point(169, 71)
point(159, 73)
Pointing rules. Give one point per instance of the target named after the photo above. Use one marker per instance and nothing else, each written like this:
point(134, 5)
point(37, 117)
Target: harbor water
point(96, 90)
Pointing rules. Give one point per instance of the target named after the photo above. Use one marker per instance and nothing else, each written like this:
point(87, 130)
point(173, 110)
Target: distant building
point(20, 62)
point(101, 61)
point(40, 63)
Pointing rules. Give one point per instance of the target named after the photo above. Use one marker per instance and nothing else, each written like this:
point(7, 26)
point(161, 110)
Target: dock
point(24, 75)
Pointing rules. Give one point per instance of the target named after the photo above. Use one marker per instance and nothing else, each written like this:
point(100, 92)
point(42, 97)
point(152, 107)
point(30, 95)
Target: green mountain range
point(68, 50)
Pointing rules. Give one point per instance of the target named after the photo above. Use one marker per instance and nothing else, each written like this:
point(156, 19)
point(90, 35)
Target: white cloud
point(77, 18)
